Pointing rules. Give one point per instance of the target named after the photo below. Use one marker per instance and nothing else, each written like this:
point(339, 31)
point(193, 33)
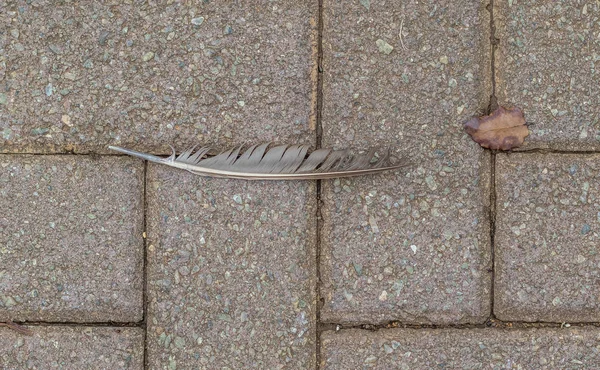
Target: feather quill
point(282, 162)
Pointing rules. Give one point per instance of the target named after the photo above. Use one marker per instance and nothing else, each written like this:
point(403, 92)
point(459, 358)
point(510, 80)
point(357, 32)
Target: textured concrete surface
point(412, 245)
point(71, 244)
point(231, 272)
point(462, 349)
point(547, 64)
point(72, 348)
point(228, 270)
point(547, 226)
point(92, 74)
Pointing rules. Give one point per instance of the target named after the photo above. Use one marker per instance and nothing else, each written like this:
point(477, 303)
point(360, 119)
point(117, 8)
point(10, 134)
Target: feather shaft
point(134, 153)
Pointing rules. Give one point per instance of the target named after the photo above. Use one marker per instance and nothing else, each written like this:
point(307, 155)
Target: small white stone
point(373, 224)
point(384, 47)
point(66, 119)
point(383, 296)
point(148, 56)
point(197, 21)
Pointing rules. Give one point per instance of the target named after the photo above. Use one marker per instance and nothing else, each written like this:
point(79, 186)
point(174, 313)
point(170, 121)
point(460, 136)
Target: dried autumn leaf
point(504, 129)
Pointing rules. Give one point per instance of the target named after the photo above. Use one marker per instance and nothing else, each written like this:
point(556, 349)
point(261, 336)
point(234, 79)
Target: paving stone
point(231, 272)
point(81, 76)
point(411, 245)
point(73, 348)
point(547, 227)
point(71, 245)
point(547, 64)
point(462, 349)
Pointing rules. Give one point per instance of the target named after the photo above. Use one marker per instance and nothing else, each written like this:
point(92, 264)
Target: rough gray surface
point(411, 245)
point(72, 348)
point(547, 64)
point(462, 349)
point(80, 76)
point(71, 244)
point(547, 227)
point(231, 272)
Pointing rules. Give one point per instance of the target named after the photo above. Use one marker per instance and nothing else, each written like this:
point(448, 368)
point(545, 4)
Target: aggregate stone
point(412, 245)
point(80, 76)
point(231, 273)
point(71, 245)
point(549, 348)
point(547, 236)
point(60, 347)
point(547, 64)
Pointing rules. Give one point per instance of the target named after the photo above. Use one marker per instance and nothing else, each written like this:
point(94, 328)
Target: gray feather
point(282, 162)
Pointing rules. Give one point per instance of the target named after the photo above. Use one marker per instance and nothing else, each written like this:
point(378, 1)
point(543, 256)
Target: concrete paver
point(547, 64)
point(547, 227)
point(93, 74)
point(71, 245)
point(411, 245)
point(231, 272)
point(62, 347)
point(462, 349)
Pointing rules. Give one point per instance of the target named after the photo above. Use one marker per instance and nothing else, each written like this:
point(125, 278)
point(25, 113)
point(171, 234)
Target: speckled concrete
point(411, 245)
point(231, 280)
point(462, 349)
point(231, 272)
point(81, 76)
point(72, 348)
point(71, 244)
point(547, 227)
point(547, 64)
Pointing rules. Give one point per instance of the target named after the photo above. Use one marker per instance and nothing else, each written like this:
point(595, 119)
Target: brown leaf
point(504, 129)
